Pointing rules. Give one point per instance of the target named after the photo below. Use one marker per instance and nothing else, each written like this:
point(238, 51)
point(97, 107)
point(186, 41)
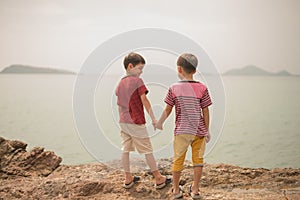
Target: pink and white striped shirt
point(189, 98)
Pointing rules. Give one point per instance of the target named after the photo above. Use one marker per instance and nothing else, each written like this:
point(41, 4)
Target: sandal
point(164, 184)
point(194, 196)
point(131, 184)
point(179, 195)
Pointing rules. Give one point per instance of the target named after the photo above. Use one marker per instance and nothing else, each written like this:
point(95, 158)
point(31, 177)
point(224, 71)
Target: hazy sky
point(234, 33)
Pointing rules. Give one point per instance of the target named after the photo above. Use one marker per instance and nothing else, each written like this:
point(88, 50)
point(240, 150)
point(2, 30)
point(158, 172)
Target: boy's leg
point(181, 143)
point(127, 147)
point(176, 180)
point(126, 167)
point(198, 148)
point(159, 179)
point(143, 145)
point(197, 178)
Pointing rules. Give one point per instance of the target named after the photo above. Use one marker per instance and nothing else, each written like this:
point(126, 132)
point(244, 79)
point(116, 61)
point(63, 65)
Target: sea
point(260, 126)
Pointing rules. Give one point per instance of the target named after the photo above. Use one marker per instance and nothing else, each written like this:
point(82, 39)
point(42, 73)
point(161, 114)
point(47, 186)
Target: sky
point(234, 33)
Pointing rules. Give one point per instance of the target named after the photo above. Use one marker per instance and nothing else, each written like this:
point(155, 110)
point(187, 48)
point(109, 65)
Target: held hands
point(159, 125)
point(154, 123)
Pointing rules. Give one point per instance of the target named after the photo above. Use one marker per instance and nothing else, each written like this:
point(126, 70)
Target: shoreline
point(39, 174)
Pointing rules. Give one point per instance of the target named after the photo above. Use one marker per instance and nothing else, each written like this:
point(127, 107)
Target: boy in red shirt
point(191, 100)
point(131, 99)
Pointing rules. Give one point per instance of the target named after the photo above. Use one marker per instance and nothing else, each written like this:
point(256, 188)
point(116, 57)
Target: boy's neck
point(188, 77)
point(130, 74)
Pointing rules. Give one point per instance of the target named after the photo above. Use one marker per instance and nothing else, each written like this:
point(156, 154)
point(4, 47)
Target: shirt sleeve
point(169, 98)
point(141, 87)
point(117, 91)
point(205, 100)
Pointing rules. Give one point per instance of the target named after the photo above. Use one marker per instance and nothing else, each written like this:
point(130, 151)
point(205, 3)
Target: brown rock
point(16, 161)
point(23, 177)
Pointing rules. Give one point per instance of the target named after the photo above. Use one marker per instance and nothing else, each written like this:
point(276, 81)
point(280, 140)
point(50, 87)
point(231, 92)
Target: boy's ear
point(179, 69)
point(130, 66)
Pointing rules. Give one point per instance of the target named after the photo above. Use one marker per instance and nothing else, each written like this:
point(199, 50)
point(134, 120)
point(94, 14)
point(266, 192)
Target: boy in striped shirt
point(191, 100)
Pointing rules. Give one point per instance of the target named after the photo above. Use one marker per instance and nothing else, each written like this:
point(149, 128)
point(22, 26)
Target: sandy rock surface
point(37, 174)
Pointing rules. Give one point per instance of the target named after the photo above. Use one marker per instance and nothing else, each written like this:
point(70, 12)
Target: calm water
point(261, 126)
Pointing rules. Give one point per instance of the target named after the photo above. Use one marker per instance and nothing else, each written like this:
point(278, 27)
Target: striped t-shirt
point(189, 98)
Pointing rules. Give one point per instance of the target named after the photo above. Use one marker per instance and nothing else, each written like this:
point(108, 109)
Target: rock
point(37, 175)
point(16, 161)
point(18, 144)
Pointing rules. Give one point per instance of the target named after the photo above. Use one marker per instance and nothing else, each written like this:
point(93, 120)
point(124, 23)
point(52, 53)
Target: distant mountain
point(283, 73)
point(251, 70)
point(25, 69)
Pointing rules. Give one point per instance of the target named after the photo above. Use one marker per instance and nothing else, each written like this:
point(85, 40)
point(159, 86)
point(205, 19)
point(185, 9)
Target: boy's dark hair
point(188, 62)
point(134, 59)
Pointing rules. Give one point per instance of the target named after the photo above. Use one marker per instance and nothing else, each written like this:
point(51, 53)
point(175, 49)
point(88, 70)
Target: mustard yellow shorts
point(181, 144)
point(135, 137)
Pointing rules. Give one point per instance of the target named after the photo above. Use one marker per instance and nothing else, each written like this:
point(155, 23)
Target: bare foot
point(160, 180)
point(128, 179)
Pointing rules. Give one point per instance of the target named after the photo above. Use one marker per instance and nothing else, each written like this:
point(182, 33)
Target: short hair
point(188, 62)
point(134, 59)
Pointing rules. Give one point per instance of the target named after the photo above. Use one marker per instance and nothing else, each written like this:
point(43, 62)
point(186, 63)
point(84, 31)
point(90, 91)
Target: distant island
point(25, 69)
point(251, 70)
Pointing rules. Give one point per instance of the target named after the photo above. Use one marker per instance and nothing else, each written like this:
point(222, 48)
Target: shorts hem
point(198, 165)
point(145, 152)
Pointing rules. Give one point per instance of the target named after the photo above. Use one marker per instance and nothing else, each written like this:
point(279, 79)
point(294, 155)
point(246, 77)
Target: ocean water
point(261, 127)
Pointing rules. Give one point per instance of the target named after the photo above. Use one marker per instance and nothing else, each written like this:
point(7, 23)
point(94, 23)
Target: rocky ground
point(37, 174)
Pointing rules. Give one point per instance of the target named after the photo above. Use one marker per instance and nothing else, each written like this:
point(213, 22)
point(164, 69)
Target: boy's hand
point(154, 122)
point(207, 138)
point(159, 126)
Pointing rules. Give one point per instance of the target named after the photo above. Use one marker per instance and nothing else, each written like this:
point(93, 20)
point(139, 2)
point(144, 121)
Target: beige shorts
point(135, 137)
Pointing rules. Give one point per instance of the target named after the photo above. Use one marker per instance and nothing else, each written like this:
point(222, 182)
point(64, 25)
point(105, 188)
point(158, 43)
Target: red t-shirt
point(129, 93)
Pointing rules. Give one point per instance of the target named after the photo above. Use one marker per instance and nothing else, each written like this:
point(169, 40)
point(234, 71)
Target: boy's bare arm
point(148, 107)
point(206, 117)
point(206, 121)
point(164, 116)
